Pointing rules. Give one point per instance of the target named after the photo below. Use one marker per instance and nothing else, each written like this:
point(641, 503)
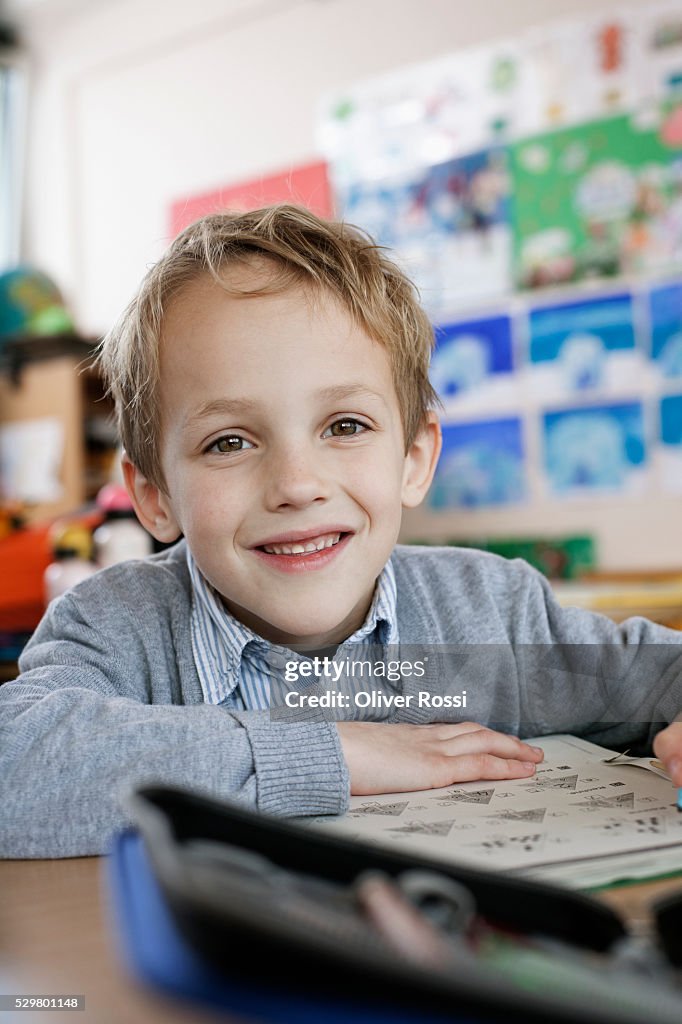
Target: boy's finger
point(668, 748)
point(470, 768)
point(668, 743)
point(450, 731)
point(447, 730)
point(487, 742)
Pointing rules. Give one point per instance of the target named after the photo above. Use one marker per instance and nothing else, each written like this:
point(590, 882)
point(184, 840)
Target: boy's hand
point(668, 748)
point(386, 758)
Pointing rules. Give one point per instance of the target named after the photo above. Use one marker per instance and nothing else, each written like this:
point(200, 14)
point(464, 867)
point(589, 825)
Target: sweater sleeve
point(579, 672)
point(78, 726)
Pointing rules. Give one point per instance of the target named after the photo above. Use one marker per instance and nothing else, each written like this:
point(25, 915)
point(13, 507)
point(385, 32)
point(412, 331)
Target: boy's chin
point(320, 630)
point(322, 635)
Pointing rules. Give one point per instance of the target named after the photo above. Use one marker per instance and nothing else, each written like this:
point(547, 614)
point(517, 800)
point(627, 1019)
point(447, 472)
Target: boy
point(271, 382)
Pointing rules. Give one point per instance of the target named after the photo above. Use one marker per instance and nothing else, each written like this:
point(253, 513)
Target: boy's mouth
point(315, 549)
point(304, 547)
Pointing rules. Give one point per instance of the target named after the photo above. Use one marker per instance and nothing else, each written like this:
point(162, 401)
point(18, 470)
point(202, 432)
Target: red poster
point(307, 185)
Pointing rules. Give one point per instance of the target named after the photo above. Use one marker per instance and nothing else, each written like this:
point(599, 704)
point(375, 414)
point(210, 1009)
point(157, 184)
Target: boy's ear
point(152, 507)
point(421, 461)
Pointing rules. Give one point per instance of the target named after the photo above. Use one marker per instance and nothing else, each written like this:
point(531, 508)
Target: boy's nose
point(294, 480)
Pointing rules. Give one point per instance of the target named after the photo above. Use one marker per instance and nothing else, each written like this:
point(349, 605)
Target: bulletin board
point(539, 212)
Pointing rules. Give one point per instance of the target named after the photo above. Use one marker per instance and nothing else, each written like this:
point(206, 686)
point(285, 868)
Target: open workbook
point(584, 819)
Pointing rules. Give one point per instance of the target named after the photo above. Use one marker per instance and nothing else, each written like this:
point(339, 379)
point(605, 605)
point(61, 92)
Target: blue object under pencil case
point(157, 954)
point(261, 915)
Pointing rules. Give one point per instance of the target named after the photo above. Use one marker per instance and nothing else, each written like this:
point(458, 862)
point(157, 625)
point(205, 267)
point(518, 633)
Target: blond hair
point(301, 248)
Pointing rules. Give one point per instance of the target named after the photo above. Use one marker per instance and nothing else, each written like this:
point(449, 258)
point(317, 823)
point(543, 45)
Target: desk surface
point(55, 938)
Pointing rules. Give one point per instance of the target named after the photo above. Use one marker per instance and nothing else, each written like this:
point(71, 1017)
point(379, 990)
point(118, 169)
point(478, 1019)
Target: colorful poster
point(307, 185)
point(473, 363)
point(599, 199)
point(595, 448)
point(448, 225)
point(665, 317)
point(394, 214)
point(482, 463)
point(583, 346)
point(422, 115)
point(670, 452)
point(392, 211)
point(661, 34)
point(604, 48)
point(468, 194)
point(612, 82)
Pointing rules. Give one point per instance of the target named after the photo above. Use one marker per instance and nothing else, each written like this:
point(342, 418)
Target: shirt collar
point(220, 641)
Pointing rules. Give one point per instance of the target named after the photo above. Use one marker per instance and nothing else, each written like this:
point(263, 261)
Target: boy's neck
point(315, 652)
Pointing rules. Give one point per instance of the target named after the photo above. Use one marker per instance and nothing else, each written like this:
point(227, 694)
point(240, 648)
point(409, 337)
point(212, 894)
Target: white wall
point(138, 102)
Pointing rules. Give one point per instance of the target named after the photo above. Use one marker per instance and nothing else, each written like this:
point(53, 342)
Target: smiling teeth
point(327, 540)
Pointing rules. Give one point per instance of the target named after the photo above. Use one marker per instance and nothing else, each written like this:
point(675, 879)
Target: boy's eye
point(229, 443)
point(344, 428)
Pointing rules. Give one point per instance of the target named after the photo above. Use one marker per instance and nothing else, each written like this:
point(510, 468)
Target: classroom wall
point(138, 102)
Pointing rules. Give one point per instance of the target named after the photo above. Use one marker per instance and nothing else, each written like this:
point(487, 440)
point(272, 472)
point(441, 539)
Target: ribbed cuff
point(300, 769)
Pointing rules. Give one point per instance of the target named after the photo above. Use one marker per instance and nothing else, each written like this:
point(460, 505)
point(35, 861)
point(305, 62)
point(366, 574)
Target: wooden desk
point(55, 936)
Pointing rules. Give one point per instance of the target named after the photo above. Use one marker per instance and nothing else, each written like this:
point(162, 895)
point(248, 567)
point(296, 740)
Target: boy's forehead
point(256, 280)
point(204, 315)
point(228, 355)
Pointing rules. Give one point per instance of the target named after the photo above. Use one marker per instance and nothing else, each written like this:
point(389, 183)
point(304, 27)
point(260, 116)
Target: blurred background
point(524, 162)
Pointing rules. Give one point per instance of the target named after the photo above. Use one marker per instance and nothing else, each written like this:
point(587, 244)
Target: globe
point(31, 303)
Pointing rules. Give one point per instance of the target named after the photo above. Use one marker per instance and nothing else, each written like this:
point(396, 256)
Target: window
point(12, 132)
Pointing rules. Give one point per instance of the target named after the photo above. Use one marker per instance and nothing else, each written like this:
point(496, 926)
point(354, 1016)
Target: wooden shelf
point(20, 350)
point(53, 377)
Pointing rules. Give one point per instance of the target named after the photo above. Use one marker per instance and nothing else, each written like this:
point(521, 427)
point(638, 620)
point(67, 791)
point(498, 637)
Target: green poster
point(599, 199)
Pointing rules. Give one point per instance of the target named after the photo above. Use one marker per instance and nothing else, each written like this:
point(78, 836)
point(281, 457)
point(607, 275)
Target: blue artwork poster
point(448, 224)
point(482, 463)
point(595, 448)
point(671, 443)
point(471, 354)
point(470, 193)
point(665, 314)
point(586, 346)
point(392, 212)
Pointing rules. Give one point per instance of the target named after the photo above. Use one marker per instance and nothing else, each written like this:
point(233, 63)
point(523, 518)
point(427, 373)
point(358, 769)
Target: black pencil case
point(264, 897)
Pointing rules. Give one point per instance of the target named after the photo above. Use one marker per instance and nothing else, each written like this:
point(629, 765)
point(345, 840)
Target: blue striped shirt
point(235, 665)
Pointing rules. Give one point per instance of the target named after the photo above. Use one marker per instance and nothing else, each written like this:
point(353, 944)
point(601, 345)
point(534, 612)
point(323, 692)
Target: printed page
point(577, 807)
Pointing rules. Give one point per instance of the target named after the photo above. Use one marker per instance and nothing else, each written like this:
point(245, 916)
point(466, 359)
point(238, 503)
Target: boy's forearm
point(67, 753)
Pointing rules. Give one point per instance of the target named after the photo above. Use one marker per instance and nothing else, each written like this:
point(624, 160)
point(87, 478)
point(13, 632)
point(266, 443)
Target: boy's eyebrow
point(221, 406)
point(234, 406)
point(337, 392)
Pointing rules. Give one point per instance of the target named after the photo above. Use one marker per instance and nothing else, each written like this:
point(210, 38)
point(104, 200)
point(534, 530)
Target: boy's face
point(281, 429)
